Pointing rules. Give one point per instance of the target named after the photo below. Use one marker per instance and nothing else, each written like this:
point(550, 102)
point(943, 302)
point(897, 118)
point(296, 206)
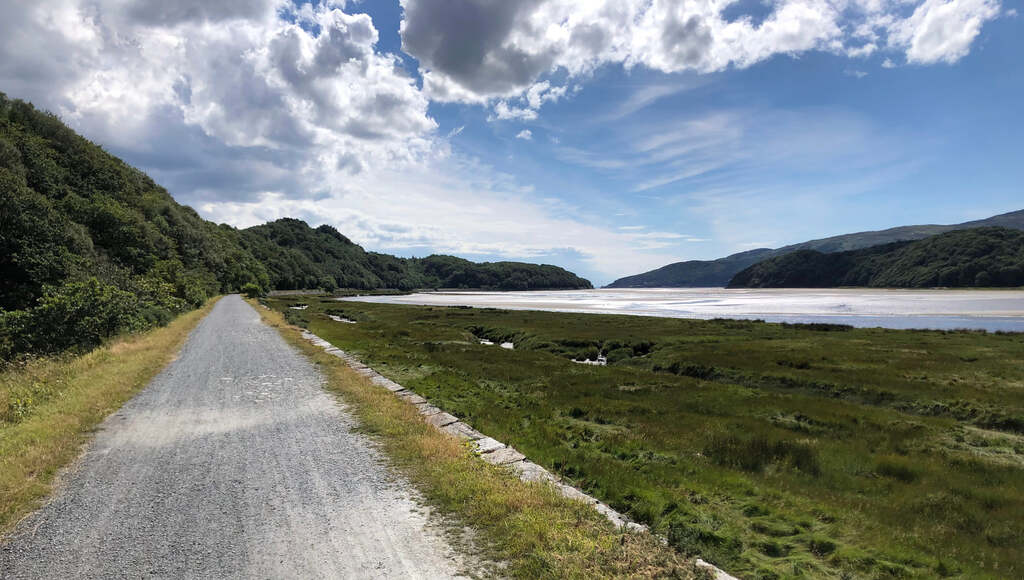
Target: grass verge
point(528, 527)
point(771, 450)
point(48, 407)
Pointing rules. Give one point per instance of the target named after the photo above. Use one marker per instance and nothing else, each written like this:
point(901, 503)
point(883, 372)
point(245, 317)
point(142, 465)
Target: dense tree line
point(91, 247)
point(451, 272)
point(983, 257)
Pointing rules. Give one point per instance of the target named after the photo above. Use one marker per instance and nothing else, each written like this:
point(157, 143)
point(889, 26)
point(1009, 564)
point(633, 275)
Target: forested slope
point(297, 256)
point(983, 257)
point(705, 273)
point(90, 247)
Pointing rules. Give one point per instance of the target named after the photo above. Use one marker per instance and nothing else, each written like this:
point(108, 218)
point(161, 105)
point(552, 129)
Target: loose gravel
point(233, 463)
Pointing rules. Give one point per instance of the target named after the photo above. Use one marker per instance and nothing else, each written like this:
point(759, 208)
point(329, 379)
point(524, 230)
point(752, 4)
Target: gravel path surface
point(233, 462)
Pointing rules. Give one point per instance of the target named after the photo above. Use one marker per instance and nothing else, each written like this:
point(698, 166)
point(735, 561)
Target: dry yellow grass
point(48, 407)
point(531, 530)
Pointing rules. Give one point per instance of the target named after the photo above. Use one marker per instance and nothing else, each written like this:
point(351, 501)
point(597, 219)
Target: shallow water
point(937, 309)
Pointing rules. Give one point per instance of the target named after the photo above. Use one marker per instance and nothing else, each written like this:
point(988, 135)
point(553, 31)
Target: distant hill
point(991, 256)
point(695, 273)
point(715, 273)
point(90, 247)
point(297, 256)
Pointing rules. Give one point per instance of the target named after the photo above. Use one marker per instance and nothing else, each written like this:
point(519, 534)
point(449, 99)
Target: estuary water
point(990, 310)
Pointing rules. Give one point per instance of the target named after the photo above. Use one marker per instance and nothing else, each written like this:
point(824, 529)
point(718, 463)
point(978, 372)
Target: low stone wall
point(487, 448)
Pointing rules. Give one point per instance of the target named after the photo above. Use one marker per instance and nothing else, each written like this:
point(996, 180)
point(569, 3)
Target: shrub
point(895, 469)
point(619, 354)
point(75, 315)
point(251, 290)
point(755, 453)
point(694, 370)
point(296, 317)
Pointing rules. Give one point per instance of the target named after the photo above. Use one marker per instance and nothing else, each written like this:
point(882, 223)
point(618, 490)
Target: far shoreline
point(897, 309)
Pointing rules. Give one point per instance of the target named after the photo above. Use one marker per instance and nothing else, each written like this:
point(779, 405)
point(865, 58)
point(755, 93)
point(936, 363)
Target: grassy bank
point(531, 530)
point(772, 450)
point(49, 406)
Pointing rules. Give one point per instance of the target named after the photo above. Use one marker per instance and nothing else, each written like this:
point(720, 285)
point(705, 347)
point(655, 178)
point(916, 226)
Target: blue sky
point(606, 137)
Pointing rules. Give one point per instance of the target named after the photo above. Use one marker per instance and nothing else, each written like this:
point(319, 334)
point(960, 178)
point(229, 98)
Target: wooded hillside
point(91, 247)
point(976, 257)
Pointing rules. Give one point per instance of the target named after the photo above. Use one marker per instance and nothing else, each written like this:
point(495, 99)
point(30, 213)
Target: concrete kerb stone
point(412, 397)
point(503, 456)
point(491, 450)
point(441, 419)
point(716, 572)
point(426, 409)
point(487, 445)
point(462, 431)
point(530, 471)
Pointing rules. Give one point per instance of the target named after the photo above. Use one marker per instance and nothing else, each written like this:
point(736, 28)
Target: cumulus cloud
point(525, 135)
point(942, 31)
point(252, 111)
point(482, 51)
point(256, 109)
point(308, 83)
point(504, 111)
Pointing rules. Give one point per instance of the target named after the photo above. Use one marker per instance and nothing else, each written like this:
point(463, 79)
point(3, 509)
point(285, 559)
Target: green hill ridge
point(984, 257)
point(298, 256)
point(716, 273)
point(91, 247)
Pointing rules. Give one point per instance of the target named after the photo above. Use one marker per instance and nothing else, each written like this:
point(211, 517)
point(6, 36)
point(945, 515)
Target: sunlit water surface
point(937, 309)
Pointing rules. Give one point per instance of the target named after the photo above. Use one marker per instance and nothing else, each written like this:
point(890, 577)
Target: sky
point(609, 137)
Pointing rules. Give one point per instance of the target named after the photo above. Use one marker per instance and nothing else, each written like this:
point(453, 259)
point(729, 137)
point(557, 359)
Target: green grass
point(49, 406)
point(771, 450)
point(528, 529)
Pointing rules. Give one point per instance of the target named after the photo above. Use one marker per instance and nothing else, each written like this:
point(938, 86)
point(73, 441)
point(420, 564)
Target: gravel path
point(232, 463)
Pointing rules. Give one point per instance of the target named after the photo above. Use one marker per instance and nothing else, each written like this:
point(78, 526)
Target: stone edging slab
point(490, 450)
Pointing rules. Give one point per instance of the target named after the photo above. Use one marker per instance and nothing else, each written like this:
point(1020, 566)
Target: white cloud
point(253, 110)
point(888, 63)
point(503, 111)
point(862, 51)
point(310, 84)
point(671, 157)
point(646, 96)
point(543, 92)
point(251, 113)
point(942, 31)
point(479, 51)
point(852, 72)
point(525, 134)
point(461, 208)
